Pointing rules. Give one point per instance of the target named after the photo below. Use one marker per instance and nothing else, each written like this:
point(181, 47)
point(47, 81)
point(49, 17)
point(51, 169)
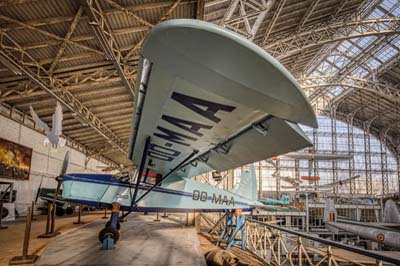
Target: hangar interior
point(86, 56)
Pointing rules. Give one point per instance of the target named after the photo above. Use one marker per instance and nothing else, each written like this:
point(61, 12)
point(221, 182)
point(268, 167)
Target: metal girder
point(334, 148)
point(391, 142)
point(26, 88)
point(383, 89)
point(293, 44)
point(367, 154)
point(18, 60)
point(358, 61)
point(384, 161)
point(307, 15)
point(134, 48)
point(245, 16)
point(273, 21)
point(350, 148)
point(105, 37)
point(200, 7)
point(48, 34)
point(64, 44)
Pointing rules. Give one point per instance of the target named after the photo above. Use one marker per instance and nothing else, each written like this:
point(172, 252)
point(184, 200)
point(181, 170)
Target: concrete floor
point(142, 242)
point(11, 239)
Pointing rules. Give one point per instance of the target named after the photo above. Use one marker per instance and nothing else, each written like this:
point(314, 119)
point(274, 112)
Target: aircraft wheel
point(5, 213)
point(69, 210)
point(109, 232)
point(108, 224)
point(60, 211)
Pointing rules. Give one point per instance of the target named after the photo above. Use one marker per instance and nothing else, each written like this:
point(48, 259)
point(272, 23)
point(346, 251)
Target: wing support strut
point(133, 203)
point(142, 165)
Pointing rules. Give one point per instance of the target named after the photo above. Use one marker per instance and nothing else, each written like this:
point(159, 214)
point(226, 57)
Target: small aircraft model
point(387, 233)
point(207, 99)
point(53, 138)
point(283, 201)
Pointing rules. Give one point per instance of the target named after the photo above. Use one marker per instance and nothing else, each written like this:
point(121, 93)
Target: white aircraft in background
point(54, 135)
point(310, 157)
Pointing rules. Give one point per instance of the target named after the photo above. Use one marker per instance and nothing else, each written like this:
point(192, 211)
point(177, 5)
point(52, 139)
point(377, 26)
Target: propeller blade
point(39, 189)
point(65, 164)
point(57, 189)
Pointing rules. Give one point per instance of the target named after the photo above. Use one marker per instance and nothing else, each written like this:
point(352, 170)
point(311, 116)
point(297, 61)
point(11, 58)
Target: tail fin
point(247, 186)
point(330, 213)
point(391, 212)
point(285, 199)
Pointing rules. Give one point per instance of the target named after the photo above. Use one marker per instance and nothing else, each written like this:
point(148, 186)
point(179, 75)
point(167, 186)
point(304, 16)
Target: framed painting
point(15, 160)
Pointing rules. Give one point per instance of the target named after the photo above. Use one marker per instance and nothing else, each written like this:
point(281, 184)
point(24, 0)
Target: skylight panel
point(376, 14)
point(388, 4)
point(386, 53)
point(360, 72)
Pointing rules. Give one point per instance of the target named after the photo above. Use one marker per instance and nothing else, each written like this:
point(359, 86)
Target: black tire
point(109, 232)
point(60, 211)
point(5, 213)
point(69, 210)
point(108, 224)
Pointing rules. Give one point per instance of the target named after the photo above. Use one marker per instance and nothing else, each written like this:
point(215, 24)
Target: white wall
point(46, 161)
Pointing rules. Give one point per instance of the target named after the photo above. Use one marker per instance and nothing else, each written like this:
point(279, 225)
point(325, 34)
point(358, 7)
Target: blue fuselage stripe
point(141, 187)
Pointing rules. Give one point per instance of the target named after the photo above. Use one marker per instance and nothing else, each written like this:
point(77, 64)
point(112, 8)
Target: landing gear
point(108, 224)
point(109, 232)
point(69, 210)
point(60, 211)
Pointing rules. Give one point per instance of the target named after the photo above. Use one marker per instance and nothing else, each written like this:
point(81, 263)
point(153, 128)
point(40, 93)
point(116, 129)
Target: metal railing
point(280, 246)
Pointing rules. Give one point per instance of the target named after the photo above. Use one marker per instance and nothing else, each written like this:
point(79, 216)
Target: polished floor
point(143, 241)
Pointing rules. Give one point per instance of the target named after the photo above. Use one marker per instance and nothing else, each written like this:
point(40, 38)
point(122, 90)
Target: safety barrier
point(280, 246)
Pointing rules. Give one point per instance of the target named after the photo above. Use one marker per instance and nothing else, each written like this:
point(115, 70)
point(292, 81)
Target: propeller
point(63, 171)
point(38, 191)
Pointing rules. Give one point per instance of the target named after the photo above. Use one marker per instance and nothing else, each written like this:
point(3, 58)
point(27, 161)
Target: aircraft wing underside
point(207, 98)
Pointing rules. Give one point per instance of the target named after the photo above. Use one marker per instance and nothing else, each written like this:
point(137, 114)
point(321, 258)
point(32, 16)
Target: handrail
point(331, 243)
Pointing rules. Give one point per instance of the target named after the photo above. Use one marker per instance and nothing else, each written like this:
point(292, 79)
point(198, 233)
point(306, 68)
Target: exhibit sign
point(15, 160)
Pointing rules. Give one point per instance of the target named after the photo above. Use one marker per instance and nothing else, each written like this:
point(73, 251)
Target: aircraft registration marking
point(216, 198)
point(205, 108)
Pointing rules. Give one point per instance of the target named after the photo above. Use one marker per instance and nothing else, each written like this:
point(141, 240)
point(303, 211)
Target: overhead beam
point(271, 25)
point(23, 63)
point(250, 13)
point(48, 34)
point(307, 15)
point(64, 44)
point(105, 37)
point(136, 47)
point(200, 9)
point(383, 89)
point(293, 44)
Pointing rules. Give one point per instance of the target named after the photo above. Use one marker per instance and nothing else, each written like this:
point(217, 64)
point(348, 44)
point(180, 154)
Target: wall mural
point(15, 160)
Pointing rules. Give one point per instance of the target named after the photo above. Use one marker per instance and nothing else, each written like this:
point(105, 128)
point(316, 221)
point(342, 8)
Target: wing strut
point(159, 182)
point(142, 164)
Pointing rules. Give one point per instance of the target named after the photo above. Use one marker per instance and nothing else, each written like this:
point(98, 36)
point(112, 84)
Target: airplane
point(310, 156)
point(207, 99)
point(283, 201)
point(328, 186)
point(386, 233)
point(317, 156)
point(53, 138)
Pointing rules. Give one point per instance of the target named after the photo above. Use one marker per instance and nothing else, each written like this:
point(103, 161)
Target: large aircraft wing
point(317, 156)
point(207, 98)
point(339, 182)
